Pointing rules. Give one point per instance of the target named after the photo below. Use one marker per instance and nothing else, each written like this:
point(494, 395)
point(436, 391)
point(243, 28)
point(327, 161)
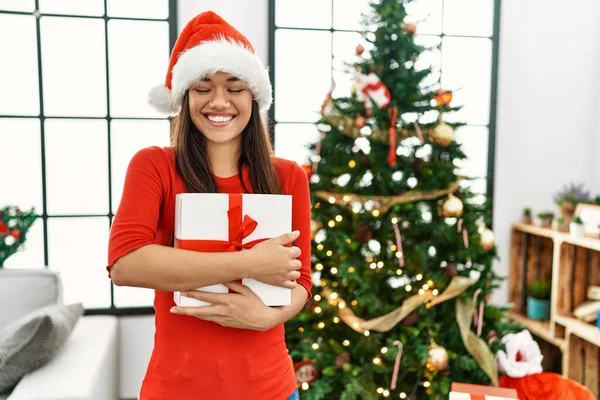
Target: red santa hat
point(206, 45)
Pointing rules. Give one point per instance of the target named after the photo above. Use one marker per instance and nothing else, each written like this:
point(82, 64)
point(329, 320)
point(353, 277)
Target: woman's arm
point(243, 309)
point(170, 269)
point(135, 260)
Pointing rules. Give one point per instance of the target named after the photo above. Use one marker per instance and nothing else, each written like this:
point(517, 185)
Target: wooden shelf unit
point(572, 265)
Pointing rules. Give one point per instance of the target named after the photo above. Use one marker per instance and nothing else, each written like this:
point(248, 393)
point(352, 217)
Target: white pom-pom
point(522, 357)
point(160, 98)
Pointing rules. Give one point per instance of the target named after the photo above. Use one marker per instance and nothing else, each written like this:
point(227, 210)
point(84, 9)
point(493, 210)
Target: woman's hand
point(243, 310)
point(275, 264)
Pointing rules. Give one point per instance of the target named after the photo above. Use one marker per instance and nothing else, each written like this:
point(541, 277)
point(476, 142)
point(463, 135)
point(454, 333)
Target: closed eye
point(202, 90)
point(236, 90)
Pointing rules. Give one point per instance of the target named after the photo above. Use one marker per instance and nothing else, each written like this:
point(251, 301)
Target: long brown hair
point(193, 163)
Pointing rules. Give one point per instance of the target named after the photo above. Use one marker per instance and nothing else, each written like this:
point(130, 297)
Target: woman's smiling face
point(220, 107)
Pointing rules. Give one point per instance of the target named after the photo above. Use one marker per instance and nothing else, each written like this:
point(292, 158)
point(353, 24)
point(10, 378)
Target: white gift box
point(464, 391)
point(214, 222)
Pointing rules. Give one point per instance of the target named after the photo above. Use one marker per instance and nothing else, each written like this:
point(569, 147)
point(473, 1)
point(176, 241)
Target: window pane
point(31, 254)
point(20, 145)
point(126, 296)
point(291, 141)
point(427, 14)
point(301, 86)
point(473, 78)
point(77, 249)
point(344, 48)
point(474, 142)
point(432, 57)
point(77, 166)
point(74, 67)
point(303, 14)
point(72, 7)
point(19, 80)
point(347, 14)
point(18, 5)
point(138, 53)
point(158, 9)
point(127, 137)
point(469, 17)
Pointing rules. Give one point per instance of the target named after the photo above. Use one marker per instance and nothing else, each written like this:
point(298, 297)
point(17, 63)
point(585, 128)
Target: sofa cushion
point(25, 290)
point(32, 340)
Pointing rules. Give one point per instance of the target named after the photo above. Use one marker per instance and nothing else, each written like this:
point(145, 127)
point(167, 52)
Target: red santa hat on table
point(206, 45)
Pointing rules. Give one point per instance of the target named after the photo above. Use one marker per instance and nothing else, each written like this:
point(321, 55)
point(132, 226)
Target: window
point(73, 112)
point(305, 35)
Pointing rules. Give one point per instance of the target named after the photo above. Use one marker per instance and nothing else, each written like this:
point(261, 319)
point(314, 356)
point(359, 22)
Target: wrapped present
point(465, 391)
point(219, 222)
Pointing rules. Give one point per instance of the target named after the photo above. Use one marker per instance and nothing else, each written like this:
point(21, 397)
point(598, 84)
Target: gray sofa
point(83, 367)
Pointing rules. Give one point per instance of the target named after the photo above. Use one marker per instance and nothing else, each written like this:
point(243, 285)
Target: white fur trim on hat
point(206, 59)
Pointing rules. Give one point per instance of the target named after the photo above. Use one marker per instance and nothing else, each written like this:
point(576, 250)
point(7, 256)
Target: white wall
point(548, 123)
point(137, 333)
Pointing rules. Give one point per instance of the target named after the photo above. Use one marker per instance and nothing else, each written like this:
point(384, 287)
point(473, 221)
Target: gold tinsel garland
point(464, 315)
point(347, 126)
point(383, 203)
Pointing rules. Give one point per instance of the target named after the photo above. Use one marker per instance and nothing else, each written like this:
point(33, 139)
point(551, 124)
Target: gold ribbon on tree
point(385, 202)
point(464, 314)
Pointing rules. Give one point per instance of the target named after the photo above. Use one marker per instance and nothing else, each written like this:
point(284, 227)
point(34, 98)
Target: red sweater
point(195, 359)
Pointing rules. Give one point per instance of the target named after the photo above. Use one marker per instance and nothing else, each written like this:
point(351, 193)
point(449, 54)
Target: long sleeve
point(301, 216)
point(136, 221)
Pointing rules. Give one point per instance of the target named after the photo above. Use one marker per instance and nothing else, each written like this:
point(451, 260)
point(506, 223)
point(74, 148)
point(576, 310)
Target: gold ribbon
point(385, 202)
point(464, 315)
point(386, 322)
point(476, 347)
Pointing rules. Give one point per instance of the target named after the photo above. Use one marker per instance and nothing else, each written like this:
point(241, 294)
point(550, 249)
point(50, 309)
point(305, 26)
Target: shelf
point(588, 332)
point(538, 328)
point(536, 230)
point(585, 242)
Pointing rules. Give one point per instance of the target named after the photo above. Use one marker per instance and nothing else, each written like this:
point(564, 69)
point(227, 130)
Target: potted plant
point(538, 300)
point(568, 197)
point(560, 225)
point(576, 227)
point(14, 224)
point(545, 219)
point(526, 218)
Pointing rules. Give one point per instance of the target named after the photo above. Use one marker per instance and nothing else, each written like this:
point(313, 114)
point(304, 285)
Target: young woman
point(235, 348)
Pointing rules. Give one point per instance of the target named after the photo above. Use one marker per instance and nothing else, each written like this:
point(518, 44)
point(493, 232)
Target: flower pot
point(577, 230)
point(567, 211)
point(546, 222)
point(525, 219)
point(537, 309)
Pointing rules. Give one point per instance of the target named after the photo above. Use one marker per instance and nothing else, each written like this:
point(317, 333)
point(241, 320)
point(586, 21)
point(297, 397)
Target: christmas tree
point(402, 252)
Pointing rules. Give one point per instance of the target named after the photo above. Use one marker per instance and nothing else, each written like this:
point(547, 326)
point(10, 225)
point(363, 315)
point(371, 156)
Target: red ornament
point(342, 359)
point(360, 121)
point(443, 97)
point(3, 228)
point(359, 50)
point(411, 28)
point(308, 170)
point(306, 371)
point(16, 234)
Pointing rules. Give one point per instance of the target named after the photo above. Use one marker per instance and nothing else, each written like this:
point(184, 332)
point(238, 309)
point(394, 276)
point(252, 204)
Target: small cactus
point(539, 290)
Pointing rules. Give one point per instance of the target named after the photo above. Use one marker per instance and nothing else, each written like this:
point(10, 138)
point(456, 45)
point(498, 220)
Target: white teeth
point(216, 118)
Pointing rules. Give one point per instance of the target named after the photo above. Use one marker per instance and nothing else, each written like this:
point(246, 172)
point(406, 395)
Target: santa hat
point(206, 45)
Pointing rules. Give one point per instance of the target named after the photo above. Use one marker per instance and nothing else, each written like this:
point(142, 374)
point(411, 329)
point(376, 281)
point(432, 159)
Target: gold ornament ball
point(442, 134)
point(452, 208)
point(488, 239)
point(437, 358)
point(314, 228)
point(359, 50)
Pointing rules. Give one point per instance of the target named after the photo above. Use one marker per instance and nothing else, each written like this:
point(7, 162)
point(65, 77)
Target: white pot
point(577, 230)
